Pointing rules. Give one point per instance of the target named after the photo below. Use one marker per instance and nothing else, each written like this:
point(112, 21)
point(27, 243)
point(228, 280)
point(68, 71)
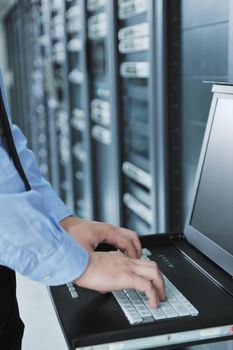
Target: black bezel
point(212, 250)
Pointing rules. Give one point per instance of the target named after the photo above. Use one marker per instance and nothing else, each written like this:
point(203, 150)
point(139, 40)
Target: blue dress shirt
point(31, 240)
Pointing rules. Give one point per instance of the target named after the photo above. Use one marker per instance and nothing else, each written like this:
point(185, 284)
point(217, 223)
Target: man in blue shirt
point(40, 239)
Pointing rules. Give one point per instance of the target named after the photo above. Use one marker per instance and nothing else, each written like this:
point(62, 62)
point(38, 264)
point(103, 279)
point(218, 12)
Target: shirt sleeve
point(31, 240)
point(31, 168)
point(36, 180)
point(33, 243)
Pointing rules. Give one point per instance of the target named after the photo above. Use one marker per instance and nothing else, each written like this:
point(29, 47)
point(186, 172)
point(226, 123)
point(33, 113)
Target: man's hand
point(111, 271)
point(91, 233)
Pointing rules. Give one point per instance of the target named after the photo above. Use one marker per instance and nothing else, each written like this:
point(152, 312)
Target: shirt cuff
point(54, 203)
point(67, 264)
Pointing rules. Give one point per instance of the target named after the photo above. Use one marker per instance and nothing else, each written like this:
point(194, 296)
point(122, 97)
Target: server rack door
point(24, 12)
point(115, 112)
point(38, 111)
point(78, 99)
point(99, 19)
point(141, 54)
point(50, 97)
point(59, 101)
point(133, 46)
point(26, 62)
point(10, 55)
point(16, 76)
point(36, 79)
point(89, 202)
point(42, 107)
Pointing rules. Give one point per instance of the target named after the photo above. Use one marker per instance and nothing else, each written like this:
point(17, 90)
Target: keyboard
point(137, 310)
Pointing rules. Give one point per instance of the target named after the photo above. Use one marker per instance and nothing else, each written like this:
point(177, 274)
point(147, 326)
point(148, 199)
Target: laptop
point(197, 265)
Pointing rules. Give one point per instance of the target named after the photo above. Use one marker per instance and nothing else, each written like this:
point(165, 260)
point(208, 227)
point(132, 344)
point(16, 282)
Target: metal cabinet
point(101, 64)
point(24, 26)
point(143, 180)
point(58, 105)
point(79, 108)
point(35, 89)
point(99, 68)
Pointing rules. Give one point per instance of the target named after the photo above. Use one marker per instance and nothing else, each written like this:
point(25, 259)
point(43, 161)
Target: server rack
point(12, 24)
point(50, 101)
point(94, 91)
point(10, 48)
point(79, 111)
point(58, 102)
point(24, 24)
point(101, 65)
point(142, 86)
point(38, 110)
point(22, 15)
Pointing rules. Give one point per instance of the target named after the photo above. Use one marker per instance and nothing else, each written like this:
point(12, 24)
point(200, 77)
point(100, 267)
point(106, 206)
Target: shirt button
point(47, 277)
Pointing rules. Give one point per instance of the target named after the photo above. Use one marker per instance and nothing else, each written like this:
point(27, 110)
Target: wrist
point(69, 222)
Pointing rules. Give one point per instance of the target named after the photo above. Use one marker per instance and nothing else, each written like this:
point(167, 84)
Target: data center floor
point(42, 330)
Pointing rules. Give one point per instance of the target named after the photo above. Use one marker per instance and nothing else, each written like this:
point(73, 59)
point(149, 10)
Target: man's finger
point(145, 286)
point(124, 244)
point(151, 272)
point(133, 237)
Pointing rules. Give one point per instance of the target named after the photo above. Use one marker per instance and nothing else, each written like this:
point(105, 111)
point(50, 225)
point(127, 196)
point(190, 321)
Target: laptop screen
point(210, 226)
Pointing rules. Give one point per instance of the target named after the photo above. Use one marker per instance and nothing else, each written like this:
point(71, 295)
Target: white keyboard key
point(125, 305)
point(128, 291)
point(180, 309)
point(74, 295)
point(133, 316)
point(144, 298)
point(158, 314)
point(146, 252)
point(142, 308)
point(168, 310)
point(135, 319)
point(128, 308)
point(144, 258)
point(169, 293)
point(148, 319)
point(182, 299)
point(117, 294)
point(193, 311)
point(71, 289)
point(129, 311)
point(173, 300)
point(146, 313)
